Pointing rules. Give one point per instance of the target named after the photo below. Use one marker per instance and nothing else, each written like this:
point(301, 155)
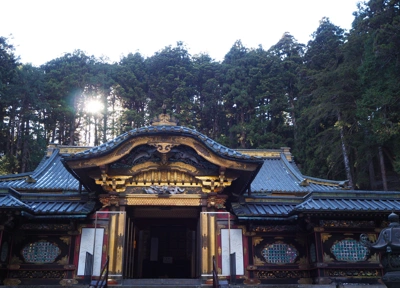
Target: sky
point(42, 30)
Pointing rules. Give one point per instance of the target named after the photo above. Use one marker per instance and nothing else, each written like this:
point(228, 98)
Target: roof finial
point(164, 118)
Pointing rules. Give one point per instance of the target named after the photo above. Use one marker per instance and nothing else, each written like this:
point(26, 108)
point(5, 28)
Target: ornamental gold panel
point(163, 201)
point(119, 183)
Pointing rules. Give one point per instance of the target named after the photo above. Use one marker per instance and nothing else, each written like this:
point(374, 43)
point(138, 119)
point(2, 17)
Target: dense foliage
point(335, 101)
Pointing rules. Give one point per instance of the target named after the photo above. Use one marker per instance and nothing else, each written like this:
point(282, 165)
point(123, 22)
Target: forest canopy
point(334, 100)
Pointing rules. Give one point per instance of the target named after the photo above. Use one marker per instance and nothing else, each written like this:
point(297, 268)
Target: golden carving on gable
point(201, 149)
point(111, 200)
point(164, 119)
point(149, 178)
point(119, 183)
point(163, 147)
point(216, 202)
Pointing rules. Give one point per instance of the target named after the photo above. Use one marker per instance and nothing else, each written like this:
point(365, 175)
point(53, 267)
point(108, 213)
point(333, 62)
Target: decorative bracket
point(163, 147)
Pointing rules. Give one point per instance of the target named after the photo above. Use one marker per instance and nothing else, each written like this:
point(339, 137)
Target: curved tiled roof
point(319, 201)
point(355, 201)
point(50, 175)
point(280, 175)
point(61, 207)
point(164, 129)
point(261, 210)
point(47, 204)
point(8, 201)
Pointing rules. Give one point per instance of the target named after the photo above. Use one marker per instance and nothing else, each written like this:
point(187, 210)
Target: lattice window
point(279, 253)
point(40, 252)
point(349, 250)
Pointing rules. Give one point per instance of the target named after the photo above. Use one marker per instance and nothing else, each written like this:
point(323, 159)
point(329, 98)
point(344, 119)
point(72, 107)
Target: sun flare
point(94, 106)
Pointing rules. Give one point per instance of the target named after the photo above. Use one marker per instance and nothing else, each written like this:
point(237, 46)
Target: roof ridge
point(306, 179)
point(41, 168)
point(300, 177)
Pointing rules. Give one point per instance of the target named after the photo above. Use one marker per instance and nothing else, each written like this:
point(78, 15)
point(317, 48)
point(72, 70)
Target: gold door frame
point(115, 242)
point(208, 240)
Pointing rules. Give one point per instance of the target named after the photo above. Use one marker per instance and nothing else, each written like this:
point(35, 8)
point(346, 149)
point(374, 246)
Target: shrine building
point(161, 201)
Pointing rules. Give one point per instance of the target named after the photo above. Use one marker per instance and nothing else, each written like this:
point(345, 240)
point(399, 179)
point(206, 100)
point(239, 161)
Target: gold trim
point(11, 282)
point(325, 237)
point(211, 239)
point(258, 261)
point(68, 282)
point(204, 243)
point(305, 281)
point(327, 258)
point(66, 239)
point(374, 258)
point(152, 200)
point(63, 261)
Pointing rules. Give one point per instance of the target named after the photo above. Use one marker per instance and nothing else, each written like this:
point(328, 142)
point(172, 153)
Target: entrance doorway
point(164, 242)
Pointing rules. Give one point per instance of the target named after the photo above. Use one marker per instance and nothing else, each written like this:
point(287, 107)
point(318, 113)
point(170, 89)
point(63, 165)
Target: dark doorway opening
point(165, 242)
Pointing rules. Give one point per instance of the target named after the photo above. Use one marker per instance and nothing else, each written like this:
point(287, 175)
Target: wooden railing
point(215, 274)
point(88, 268)
point(102, 281)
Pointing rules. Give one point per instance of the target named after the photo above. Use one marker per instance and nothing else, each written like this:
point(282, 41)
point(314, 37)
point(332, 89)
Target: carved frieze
point(373, 273)
point(45, 226)
point(273, 228)
point(282, 274)
point(346, 224)
point(37, 274)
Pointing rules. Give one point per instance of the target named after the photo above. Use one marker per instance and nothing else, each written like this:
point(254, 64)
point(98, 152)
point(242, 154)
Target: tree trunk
point(71, 132)
point(96, 136)
point(243, 132)
point(372, 181)
point(345, 155)
point(293, 116)
point(25, 148)
point(383, 170)
point(105, 120)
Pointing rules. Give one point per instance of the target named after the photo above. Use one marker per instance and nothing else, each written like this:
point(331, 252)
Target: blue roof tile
point(50, 175)
point(280, 175)
point(262, 209)
point(343, 204)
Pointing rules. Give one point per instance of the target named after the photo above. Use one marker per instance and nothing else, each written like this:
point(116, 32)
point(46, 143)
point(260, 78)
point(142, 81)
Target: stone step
point(161, 283)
